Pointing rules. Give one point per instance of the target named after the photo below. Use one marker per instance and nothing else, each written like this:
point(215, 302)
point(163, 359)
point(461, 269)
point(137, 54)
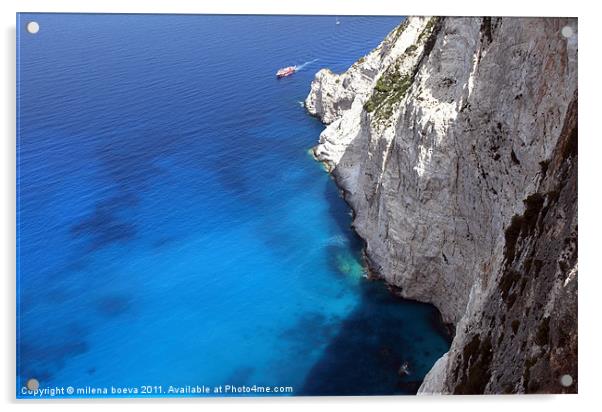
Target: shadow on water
point(46, 356)
point(104, 226)
point(382, 333)
point(364, 355)
point(129, 171)
point(113, 305)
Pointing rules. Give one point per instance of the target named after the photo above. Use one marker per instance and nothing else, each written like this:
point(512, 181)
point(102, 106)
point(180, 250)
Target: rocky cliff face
point(455, 143)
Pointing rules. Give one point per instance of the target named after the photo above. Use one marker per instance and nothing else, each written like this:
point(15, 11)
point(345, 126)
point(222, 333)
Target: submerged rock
point(455, 143)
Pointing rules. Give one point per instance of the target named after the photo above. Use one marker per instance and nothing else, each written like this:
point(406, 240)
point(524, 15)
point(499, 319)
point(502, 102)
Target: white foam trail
point(301, 66)
point(337, 240)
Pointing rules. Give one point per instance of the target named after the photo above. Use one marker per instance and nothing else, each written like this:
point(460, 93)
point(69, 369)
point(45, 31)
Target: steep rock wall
point(454, 142)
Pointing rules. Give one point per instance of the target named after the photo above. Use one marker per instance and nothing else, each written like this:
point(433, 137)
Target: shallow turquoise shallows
point(173, 229)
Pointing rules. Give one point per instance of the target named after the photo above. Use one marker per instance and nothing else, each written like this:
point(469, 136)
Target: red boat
point(287, 71)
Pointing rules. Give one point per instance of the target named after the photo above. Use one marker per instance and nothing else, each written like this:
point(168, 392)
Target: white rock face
point(440, 138)
point(339, 99)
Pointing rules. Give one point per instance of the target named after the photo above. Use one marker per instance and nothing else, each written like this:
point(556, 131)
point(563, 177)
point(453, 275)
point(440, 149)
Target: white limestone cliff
point(454, 142)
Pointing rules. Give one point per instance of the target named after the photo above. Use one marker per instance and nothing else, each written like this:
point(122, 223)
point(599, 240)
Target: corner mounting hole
point(33, 27)
point(566, 380)
point(33, 384)
point(567, 32)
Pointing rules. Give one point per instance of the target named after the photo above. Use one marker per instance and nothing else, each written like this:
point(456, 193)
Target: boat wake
point(302, 66)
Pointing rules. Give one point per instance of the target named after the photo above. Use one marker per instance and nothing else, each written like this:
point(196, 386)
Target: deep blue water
point(172, 227)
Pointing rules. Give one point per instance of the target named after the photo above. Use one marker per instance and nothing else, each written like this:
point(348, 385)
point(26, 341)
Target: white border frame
point(589, 199)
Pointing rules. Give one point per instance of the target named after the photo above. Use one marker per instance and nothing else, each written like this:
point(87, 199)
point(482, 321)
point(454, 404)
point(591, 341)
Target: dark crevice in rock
point(476, 366)
point(486, 31)
point(429, 44)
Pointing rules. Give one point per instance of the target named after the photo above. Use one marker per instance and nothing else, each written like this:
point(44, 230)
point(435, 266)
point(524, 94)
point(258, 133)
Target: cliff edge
point(455, 144)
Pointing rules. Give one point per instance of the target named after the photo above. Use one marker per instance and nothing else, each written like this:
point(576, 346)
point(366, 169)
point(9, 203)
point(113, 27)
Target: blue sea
point(173, 229)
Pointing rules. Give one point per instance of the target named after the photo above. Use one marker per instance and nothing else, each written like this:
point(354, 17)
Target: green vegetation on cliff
point(390, 88)
point(393, 84)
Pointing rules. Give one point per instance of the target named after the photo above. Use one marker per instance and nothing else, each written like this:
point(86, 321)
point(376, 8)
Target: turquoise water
point(173, 229)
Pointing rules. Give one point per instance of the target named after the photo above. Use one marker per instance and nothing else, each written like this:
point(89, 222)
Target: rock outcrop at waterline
point(455, 143)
